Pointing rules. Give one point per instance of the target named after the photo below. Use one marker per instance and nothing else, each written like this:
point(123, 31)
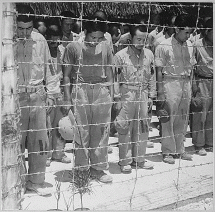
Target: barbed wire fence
point(11, 133)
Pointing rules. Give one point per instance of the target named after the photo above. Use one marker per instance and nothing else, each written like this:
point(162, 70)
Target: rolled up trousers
point(177, 91)
point(33, 127)
point(202, 122)
point(92, 110)
point(132, 126)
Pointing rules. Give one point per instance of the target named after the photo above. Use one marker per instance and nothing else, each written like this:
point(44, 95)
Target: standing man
point(57, 143)
point(202, 122)
point(137, 90)
point(67, 25)
point(174, 60)
point(32, 55)
point(88, 87)
point(168, 31)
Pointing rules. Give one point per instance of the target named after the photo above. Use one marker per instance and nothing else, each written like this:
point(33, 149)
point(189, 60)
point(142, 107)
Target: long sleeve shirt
point(34, 62)
point(204, 57)
point(174, 58)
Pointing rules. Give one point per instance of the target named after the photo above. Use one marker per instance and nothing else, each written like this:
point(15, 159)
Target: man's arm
point(152, 80)
point(117, 67)
point(67, 69)
point(68, 61)
point(109, 74)
point(160, 63)
point(160, 86)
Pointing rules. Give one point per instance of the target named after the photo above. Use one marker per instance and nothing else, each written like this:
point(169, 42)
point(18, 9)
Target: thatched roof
point(120, 10)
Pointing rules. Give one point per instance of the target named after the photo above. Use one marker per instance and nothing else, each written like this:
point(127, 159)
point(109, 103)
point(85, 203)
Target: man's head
point(141, 19)
point(77, 27)
point(184, 26)
point(124, 28)
point(67, 22)
point(209, 30)
point(101, 15)
point(94, 30)
point(40, 25)
point(114, 30)
point(54, 34)
point(25, 20)
point(138, 36)
point(154, 21)
point(170, 24)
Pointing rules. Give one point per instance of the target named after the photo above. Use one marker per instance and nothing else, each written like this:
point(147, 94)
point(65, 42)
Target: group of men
point(82, 76)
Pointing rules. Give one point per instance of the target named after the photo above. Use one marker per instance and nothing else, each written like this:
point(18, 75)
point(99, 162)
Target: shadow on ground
point(190, 150)
point(114, 168)
point(63, 176)
point(154, 157)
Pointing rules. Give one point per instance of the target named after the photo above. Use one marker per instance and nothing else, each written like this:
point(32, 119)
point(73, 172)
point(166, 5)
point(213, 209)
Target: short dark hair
point(93, 25)
point(100, 14)
point(114, 29)
point(24, 9)
point(185, 20)
point(37, 20)
point(134, 28)
point(53, 29)
point(209, 24)
point(67, 14)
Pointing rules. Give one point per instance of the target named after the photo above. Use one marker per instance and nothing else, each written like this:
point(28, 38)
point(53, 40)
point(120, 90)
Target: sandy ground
point(178, 186)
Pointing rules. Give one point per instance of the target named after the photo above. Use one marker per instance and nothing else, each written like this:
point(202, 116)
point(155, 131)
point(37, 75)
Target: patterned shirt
point(137, 69)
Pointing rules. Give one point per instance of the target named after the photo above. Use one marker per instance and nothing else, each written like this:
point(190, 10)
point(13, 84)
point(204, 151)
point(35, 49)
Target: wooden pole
point(10, 130)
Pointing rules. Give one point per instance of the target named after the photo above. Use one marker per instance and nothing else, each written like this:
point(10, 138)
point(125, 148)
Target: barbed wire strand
point(9, 41)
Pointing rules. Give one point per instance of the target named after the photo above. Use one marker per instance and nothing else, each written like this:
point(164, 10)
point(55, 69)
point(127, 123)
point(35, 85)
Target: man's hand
point(161, 99)
point(66, 107)
point(195, 89)
point(117, 104)
point(49, 103)
point(150, 103)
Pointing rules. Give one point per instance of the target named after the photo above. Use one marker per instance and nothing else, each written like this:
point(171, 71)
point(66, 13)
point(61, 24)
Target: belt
point(203, 77)
point(176, 76)
point(93, 85)
point(30, 89)
point(131, 87)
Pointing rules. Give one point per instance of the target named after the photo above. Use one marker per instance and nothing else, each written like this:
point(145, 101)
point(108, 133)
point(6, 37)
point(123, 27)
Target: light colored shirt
point(160, 39)
point(33, 58)
point(194, 37)
point(65, 41)
point(56, 76)
point(153, 36)
point(204, 58)
point(91, 66)
point(176, 59)
point(137, 69)
point(123, 42)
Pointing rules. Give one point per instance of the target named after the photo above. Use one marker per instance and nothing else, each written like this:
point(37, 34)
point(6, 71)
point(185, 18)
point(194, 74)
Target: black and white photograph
point(107, 105)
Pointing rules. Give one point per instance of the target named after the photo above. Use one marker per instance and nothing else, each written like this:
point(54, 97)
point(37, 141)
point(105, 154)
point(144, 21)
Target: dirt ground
point(185, 185)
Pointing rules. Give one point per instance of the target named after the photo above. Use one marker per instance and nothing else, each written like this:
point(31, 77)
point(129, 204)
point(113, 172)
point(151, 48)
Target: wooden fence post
point(10, 130)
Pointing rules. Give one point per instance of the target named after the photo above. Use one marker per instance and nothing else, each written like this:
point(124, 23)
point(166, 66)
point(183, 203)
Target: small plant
point(57, 194)
point(80, 182)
